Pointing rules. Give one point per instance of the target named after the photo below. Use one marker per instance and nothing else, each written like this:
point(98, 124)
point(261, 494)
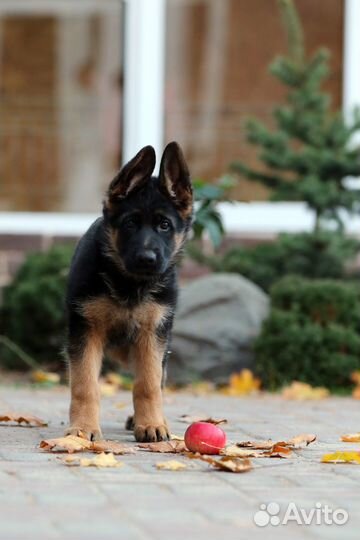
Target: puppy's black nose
point(147, 258)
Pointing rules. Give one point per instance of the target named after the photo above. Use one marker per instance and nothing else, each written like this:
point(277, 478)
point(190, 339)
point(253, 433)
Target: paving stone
point(41, 498)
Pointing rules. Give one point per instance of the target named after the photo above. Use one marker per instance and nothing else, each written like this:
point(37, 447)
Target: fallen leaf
point(107, 390)
point(40, 376)
point(278, 451)
point(69, 444)
point(275, 451)
point(101, 461)
point(301, 440)
point(112, 447)
point(281, 449)
point(164, 447)
point(120, 405)
point(174, 437)
point(190, 419)
point(171, 465)
point(351, 437)
point(202, 388)
point(257, 445)
point(114, 378)
point(241, 384)
point(341, 457)
point(28, 419)
point(303, 391)
point(226, 463)
point(235, 451)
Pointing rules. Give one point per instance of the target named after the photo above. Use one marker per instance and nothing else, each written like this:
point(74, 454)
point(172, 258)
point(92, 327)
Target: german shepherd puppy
point(122, 290)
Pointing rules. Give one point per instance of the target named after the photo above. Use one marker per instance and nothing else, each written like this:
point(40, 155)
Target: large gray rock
point(217, 319)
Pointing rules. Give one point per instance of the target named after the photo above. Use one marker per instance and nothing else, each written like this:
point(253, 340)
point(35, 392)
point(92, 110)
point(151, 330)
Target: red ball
point(205, 438)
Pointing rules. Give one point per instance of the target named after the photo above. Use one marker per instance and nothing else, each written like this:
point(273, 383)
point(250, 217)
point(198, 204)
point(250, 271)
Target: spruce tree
point(310, 153)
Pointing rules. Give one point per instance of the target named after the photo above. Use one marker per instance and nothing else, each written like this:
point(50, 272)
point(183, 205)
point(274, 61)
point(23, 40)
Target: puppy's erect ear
point(133, 175)
point(174, 179)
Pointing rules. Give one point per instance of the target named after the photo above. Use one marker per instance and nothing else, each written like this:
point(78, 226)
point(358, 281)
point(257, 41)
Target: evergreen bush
point(32, 312)
point(312, 334)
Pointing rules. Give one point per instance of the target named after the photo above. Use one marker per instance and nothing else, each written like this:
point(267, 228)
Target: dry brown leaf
point(235, 451)
point(351, 437)
point(278, 451)
point(242, 384)
point(28, 419)
point(69, 444)
point(274, 451)
point(282, 449)
point(40, 376)
point(301, 440)
point(164, 447)
point(101, 460)
point(302, 391)
point(226, 463)
point(171, 465)
point(190, 419)
point(112, 447)
point(341, 457)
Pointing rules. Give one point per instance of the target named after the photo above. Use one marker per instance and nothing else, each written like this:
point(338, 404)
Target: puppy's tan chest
point(110, 319)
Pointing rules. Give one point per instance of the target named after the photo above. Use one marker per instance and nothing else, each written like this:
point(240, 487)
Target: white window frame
point(144, 112)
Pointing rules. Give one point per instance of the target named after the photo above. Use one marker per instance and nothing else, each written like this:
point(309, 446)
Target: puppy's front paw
point(151, 433)
point(91, 434)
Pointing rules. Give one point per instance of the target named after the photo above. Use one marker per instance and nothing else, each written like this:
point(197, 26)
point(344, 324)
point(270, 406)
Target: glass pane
point(60, 105)
point(217, 74)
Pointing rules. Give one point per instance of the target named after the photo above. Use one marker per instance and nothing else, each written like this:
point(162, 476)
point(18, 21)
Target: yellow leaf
point(108, 390)
point(351, 437)
point(101, 461)
point(241, 384)
point(341, 457)
point(40, 376)
point(120, 405)
point(303, 391)
point(28, 419)
point(114, 378)
point(171, 465)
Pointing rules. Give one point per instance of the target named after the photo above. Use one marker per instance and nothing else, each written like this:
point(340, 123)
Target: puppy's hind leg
point(85, 366)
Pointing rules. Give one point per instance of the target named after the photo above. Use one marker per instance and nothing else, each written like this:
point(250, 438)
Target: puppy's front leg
point(85, 365)
point(149, 422)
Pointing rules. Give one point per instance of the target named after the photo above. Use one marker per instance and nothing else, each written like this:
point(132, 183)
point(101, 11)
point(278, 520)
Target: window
point(60, 105)
point(216, 74)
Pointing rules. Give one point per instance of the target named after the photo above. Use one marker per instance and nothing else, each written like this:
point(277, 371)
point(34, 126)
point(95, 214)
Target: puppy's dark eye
point(130, 223)
point(164, 224)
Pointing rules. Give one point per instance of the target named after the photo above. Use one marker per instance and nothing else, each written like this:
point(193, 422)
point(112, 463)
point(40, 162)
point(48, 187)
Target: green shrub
point(313, 255)
point(312, 334)
point(32, 313)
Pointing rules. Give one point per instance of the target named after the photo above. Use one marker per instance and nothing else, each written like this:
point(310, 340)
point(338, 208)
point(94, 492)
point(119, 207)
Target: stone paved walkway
point(40, 498)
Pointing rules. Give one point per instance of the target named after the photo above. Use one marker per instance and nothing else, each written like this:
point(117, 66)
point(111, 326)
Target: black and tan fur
point(123, 287)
